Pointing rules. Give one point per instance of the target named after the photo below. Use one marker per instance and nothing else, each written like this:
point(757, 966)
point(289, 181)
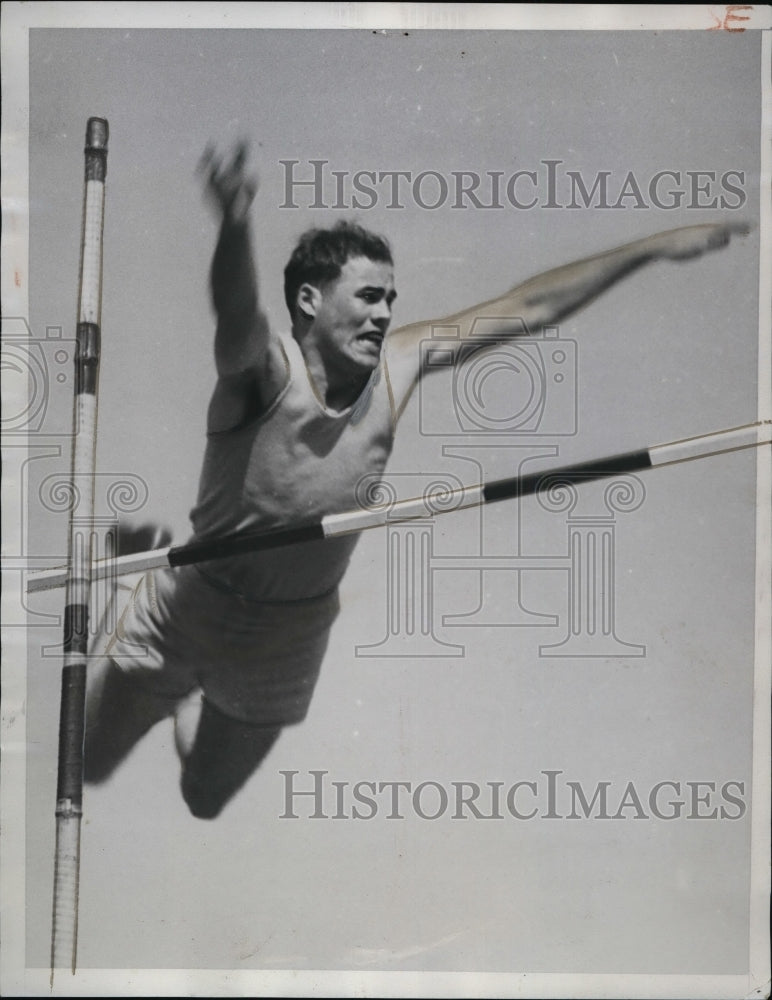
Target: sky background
point(670, 353)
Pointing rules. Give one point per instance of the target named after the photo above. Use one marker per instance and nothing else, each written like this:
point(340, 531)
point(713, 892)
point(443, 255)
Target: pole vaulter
point(351, 521)
point(233, 192)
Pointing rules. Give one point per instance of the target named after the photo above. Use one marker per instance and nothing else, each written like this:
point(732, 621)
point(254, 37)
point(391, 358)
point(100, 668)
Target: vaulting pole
point(352, 521)
point(69, 792)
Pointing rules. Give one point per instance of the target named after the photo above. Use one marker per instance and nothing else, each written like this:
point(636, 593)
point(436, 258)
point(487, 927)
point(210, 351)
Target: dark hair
point(321, 253)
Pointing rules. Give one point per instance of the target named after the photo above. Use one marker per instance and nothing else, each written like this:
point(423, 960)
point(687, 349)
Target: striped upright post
point(69, 793)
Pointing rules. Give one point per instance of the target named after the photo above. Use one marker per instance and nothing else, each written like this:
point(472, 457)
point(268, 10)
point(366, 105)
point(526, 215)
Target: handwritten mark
point(730, 16)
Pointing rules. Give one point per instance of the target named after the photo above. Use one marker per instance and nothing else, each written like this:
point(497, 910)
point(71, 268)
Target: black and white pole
point(69, 792)
point(353, 521)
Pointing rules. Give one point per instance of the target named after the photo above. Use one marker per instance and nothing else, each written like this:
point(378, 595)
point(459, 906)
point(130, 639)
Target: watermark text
point(549, 795)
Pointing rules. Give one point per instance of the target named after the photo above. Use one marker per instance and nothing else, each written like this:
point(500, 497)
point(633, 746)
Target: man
point(294, 423)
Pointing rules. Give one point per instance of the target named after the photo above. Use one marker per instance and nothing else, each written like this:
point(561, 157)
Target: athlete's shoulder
point(402, 365)
point(245, 396)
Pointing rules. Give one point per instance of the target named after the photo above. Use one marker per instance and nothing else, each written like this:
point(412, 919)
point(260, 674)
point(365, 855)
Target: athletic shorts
point(255, 661)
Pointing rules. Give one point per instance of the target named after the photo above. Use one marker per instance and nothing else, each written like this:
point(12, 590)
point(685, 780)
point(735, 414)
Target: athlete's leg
point(120, 707)
point(119, 711)
point(224, 754)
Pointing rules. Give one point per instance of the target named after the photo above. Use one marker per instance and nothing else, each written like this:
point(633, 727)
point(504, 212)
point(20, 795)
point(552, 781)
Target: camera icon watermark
point(38, 376)
point(524, 385)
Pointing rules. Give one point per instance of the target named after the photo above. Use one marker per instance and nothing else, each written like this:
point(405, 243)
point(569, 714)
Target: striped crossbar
point(362, 519)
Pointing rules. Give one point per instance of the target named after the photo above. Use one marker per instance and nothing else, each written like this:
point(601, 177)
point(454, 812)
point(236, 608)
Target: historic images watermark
point(502, 401)
point(549, 795)
point(39, 374)
point(548, 184)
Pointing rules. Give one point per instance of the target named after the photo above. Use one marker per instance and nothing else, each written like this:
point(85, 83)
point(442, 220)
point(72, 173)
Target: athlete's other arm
point(550, 297)
point(244, 349)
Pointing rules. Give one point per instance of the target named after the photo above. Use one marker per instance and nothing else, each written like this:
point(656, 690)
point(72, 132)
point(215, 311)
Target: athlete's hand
point(226, 183)
point(694, 241)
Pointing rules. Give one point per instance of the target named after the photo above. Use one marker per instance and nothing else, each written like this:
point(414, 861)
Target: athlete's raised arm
point(243, 344)
point(550, 297)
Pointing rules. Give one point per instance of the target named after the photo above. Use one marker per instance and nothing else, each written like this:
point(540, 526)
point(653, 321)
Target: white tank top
point(289, 467)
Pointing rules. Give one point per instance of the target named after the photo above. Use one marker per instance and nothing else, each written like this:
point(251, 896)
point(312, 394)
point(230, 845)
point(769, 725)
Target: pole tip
point(97, 131)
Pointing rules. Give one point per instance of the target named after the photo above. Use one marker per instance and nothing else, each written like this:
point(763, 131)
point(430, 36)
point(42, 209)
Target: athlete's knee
point(96, 769)
point(119, 711)
point(203, 801)
point(104, 693)
point(224, 755)
point(97, 765)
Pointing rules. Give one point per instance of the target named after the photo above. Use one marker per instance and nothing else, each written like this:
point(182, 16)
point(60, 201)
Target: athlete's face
point(354, 313)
